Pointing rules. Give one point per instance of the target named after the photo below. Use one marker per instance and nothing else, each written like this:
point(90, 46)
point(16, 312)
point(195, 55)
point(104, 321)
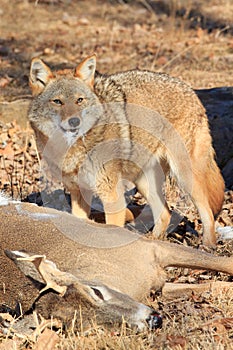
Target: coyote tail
point(214, 184)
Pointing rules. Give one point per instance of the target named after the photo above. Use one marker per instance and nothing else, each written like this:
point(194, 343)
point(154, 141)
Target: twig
point(175, 57)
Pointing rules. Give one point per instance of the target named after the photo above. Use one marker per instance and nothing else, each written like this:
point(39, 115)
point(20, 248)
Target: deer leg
point(169, 254)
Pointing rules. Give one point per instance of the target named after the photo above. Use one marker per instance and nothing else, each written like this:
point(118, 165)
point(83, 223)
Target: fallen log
point(178, 290)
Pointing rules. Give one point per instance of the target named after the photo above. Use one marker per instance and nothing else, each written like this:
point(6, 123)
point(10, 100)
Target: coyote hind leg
point(150, 185)
point(199, 196)
point(200, 177)
point(207, 193)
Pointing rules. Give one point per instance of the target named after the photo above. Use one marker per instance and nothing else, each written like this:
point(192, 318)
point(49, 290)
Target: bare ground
point(188, 39)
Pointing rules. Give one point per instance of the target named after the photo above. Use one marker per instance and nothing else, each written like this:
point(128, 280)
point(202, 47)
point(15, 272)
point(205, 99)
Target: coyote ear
point(86, 70)
point(39, 76)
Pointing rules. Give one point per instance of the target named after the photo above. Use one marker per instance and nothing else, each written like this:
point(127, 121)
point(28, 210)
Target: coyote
point(96, 131)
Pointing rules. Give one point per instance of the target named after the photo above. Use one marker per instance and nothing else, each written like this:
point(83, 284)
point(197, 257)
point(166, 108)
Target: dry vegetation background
point(188, 39)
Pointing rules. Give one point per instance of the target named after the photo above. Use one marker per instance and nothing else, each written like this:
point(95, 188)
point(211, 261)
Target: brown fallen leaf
point(6, 317)
point(9, 344)
point(14, 128)
point(8, 150)
point(176, 342)
point(219, 326)
point(226, 322)
point(47, 340)
point(4, 81)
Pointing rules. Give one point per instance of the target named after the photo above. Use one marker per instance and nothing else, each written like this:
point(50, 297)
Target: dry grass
point(201, 322)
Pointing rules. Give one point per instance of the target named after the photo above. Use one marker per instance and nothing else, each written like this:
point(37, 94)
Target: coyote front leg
point(111, 192)
point(81, 203)
point(114, 208)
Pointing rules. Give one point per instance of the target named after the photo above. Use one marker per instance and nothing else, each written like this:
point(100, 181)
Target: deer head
point(65, 297)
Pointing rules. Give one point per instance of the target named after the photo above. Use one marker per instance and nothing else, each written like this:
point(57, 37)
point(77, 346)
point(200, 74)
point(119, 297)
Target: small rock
point(48, 51)
point(225, 232)
point(70, 20)
point(83, 21)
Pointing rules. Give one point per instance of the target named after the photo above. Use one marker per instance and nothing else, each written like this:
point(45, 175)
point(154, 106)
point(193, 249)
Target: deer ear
point(86, 70)
point(41, 270)
point(44, 271)
point(40, 74)
point(28, 269)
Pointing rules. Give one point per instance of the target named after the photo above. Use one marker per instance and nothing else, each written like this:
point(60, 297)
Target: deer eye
point(98, 293)
point(57, 102)
point(80, 100)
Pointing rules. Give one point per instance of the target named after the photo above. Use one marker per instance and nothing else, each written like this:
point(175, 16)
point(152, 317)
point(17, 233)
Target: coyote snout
point(71, 124)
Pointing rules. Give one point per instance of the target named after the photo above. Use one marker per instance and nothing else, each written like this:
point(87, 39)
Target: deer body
point(110, 278)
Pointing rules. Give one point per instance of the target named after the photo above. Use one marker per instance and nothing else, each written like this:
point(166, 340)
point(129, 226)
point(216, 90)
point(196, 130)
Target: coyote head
point(64, 99)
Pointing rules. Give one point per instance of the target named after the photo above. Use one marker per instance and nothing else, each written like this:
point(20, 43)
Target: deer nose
point(154, 320)
point(74, 122)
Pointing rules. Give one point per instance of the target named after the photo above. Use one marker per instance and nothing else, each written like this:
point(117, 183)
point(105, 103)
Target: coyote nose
point(154, 320)
point(74, 122)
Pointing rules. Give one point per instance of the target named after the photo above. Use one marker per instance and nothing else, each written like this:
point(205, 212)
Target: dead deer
point(102, 272)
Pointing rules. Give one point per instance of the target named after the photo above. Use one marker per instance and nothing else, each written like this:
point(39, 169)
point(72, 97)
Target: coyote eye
point(79, 100)
point(57, 102)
